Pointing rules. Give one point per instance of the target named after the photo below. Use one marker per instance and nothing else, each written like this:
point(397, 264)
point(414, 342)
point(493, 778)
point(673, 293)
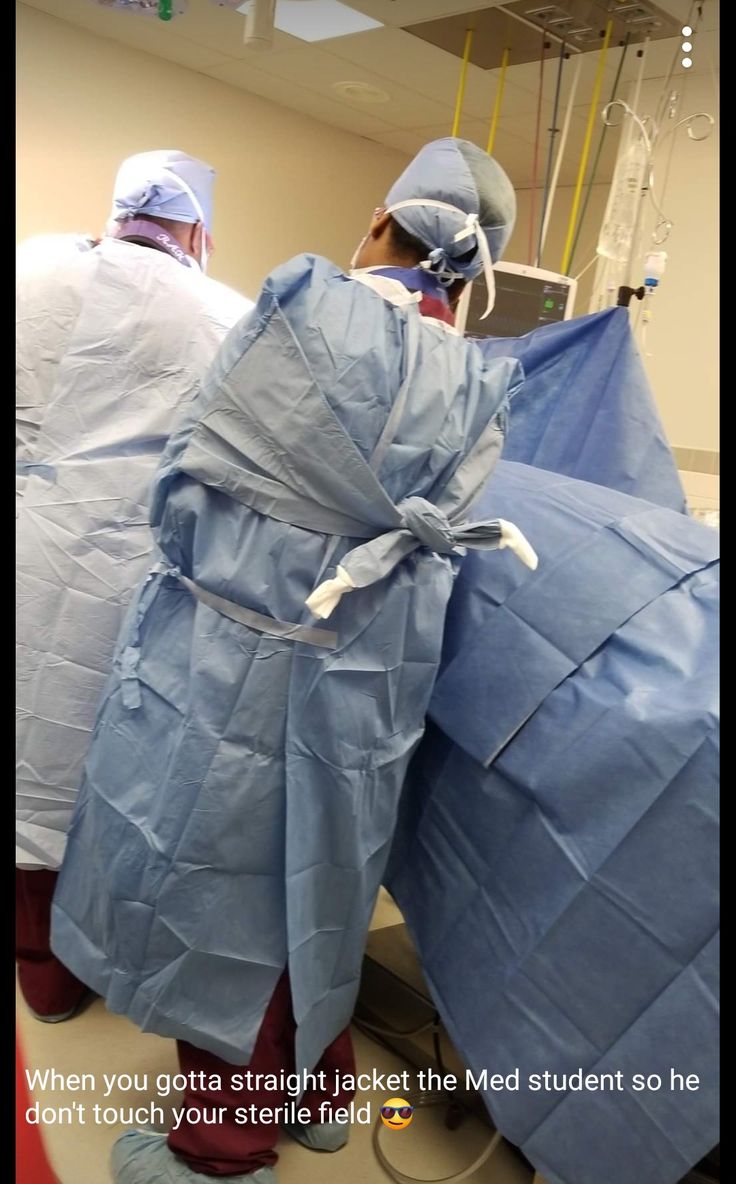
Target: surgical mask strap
point(198, 210)
point(472, 226)
point(356, 252)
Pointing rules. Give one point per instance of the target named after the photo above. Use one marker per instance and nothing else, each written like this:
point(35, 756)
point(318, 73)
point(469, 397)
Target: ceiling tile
point(399, 55)
point(430, 71)
point(222, 29)
point(420, 78)
point(143, 33)
point(203, 27)
point(405, 141)
point(514, 154)
point(298, 98)
point(318, 71)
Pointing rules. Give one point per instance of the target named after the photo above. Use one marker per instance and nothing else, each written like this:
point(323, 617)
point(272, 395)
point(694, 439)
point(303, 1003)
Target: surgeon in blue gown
point(271, 682)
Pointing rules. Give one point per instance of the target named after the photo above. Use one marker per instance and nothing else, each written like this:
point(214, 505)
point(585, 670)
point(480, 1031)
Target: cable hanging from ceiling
point(586, 148)
point(535, 158)
point(553, 131)
point(596, 161)
point(560, 153)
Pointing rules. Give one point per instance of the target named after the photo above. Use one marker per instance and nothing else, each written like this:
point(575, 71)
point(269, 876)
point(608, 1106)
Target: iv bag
point(623, 200)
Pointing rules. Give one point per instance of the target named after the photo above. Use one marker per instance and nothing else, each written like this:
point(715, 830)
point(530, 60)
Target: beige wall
point(683, 339)
point(286, 183)
point(682, 343)
point(518, 248)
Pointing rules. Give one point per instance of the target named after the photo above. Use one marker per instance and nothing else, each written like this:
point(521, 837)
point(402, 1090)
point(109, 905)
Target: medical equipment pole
point(552, 133)
point(604, 283)
point(497, 103)
point(599, 150)
point(535, 161)
point(463, 80)
point(645, 188)
point(631, 132)
point(662, 105)
point(560, 153)
point(637, 92)
point(586, 148)
point(637, 229)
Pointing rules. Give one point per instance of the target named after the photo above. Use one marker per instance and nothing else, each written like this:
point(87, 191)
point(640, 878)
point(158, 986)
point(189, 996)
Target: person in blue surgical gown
point(272, 677)
point(112, 338)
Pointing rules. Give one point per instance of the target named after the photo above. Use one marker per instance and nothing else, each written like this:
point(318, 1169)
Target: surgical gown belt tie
point(431, 526)
point(260, 622)
point(421, 524)
point(307, 634)
point(130, 657)
point(425, 523)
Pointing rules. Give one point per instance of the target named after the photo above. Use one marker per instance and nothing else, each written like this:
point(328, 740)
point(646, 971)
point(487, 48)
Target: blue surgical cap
point(459, 174)
point(162, 184)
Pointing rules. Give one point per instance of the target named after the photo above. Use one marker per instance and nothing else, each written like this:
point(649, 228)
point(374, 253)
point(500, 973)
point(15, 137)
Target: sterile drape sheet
point(556, 848)
point(586, 408)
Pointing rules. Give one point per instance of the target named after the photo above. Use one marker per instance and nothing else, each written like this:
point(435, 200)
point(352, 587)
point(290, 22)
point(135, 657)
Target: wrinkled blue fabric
point(586, 408)
point(111, 345)
point(556, 847)
point(240, 790)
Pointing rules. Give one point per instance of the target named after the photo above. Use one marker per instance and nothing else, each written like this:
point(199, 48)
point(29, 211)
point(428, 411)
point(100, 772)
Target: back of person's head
point(452, 212)
point(468, 184)
point(164, 184)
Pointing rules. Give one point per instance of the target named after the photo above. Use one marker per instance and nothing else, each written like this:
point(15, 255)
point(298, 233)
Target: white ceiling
point(420, 79)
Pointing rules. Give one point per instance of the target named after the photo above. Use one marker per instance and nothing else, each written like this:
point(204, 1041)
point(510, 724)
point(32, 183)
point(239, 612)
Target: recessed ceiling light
point(687, 63)
point(361, 92)
point(687, 31)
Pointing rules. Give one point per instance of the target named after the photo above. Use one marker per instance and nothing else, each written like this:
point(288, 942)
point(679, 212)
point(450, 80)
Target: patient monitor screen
point(523, 303)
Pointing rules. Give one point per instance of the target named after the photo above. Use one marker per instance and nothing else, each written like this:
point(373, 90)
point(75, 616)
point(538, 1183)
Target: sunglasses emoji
point(396, 1114)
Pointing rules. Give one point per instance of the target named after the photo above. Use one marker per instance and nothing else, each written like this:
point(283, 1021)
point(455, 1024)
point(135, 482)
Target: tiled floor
point(96, 1042)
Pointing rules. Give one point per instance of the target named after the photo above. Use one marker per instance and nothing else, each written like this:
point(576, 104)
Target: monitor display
point(523, 303)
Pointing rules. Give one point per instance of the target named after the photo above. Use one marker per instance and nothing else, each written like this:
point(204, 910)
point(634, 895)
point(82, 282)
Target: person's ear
point(195, 240)
point(380, 224)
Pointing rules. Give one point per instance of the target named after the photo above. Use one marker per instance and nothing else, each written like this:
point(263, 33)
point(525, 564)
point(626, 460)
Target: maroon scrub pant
point(225, 1149)
point(47, 986)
